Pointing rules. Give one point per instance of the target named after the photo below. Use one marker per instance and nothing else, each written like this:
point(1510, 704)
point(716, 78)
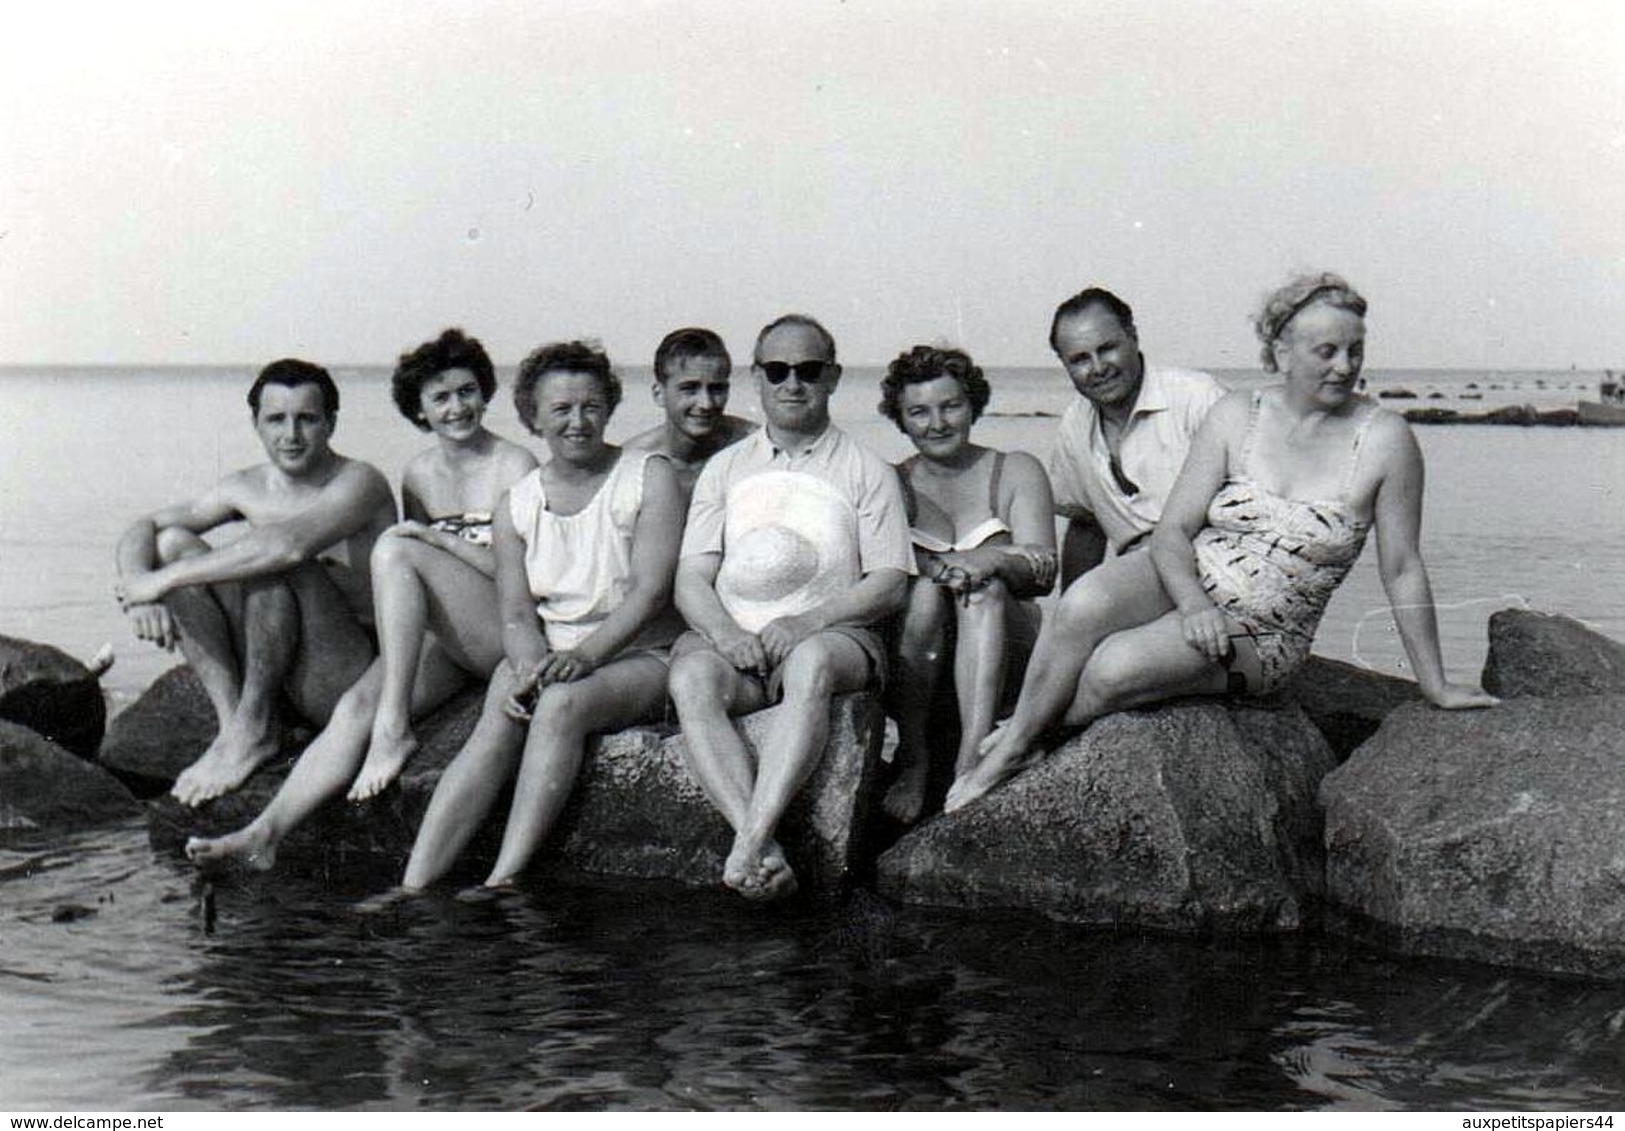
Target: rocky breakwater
point(51, 718)
point(1495, 835)
point(635, 812)
point(51, 693)
point(1522, 416)
point(1192, 817)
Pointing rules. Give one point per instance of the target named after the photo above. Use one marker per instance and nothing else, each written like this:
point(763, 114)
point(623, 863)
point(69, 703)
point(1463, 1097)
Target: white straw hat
point(790, 543)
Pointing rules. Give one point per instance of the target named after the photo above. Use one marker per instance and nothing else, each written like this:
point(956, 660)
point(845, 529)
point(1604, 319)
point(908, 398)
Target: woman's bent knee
point(394, 556)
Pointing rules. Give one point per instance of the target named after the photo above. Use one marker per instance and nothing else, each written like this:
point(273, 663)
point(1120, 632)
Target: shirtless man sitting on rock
point(281, 610)
point(692, 381)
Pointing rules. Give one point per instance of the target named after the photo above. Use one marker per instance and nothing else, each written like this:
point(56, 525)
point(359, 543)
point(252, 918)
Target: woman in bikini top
point(424, 569)
point(1270, 510)
point(984, 536)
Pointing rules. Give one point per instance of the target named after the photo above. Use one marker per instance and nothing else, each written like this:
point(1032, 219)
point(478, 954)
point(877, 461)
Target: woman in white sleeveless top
point(586, 547)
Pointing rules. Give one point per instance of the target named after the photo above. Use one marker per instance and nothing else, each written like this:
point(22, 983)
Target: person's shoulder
point(1230, 411)
point(515, 455)
point(251, 480)
point(658, 468)
point(1386, 428)
point(721, 464)
point(1022, 465)
point(1077, 421)
point(360, 471)
point(420, 465)
point(530, 482)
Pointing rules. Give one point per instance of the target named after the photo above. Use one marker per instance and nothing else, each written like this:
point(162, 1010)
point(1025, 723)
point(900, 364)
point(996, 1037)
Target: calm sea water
point(116, 995)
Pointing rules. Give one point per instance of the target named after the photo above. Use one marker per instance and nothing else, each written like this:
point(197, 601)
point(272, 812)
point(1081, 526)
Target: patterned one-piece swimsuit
point(1271, 563)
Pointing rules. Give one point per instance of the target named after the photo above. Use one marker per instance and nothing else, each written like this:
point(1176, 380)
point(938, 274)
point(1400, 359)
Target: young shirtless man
point(692, 371)
point(284, 608)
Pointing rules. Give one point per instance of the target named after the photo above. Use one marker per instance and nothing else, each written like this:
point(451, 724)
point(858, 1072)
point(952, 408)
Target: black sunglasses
point(807, 372)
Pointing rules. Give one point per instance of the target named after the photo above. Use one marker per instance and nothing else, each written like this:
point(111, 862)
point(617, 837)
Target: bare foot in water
point(384, 900)
point(236, 752)
point(905, 800)
point(1000, 761)
point(491, 891)
point(761, 873)
point(387, 754)
point(248, 848)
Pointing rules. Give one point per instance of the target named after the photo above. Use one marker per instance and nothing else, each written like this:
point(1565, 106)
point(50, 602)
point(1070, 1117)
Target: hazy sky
point(340, 180)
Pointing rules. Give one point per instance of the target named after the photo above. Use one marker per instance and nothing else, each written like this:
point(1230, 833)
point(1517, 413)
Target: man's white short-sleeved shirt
point(865, 480)
point(1171, 406)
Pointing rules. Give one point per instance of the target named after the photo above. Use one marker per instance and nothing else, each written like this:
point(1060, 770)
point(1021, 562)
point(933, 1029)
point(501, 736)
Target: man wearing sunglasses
point(1123, 440)
point(797, 542)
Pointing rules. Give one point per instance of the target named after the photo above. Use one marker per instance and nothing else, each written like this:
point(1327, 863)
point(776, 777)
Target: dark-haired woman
point(433, 592)
point(586, 548)
point(984, 541)
point(433, 573)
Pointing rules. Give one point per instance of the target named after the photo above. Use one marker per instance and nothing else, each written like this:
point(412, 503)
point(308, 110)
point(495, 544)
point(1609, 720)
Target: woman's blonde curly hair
point(1283, 304)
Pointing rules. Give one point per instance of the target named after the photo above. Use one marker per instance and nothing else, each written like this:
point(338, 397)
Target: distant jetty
point(1523, 415)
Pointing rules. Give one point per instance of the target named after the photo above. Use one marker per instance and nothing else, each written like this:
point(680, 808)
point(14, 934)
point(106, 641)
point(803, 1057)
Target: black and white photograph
point(839, 555)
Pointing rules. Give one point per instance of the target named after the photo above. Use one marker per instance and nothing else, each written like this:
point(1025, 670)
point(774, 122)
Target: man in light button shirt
point(797, 545)
point(1122, 442)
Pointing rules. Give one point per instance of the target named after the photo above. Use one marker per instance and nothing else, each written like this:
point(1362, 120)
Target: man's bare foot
point(236, 752)
point(776, 879)
point(905, 800)
point(759, 873)
point(386, 755)
point(1001, 760)
point(249, 847)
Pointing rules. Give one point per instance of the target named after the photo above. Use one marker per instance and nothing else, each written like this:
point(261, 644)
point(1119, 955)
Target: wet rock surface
point(1491, 835)
point(1191, 817)
point(43, 786)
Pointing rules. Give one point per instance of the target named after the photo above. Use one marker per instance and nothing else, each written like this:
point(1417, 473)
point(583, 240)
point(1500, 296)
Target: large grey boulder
point(1347, 702)
point(1492, 835)
point(1193, 816)
point(48, 691)
point(635, 812)
point(638, 812)
point(1550, 655)
point(43, 786)
point(153, 739)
